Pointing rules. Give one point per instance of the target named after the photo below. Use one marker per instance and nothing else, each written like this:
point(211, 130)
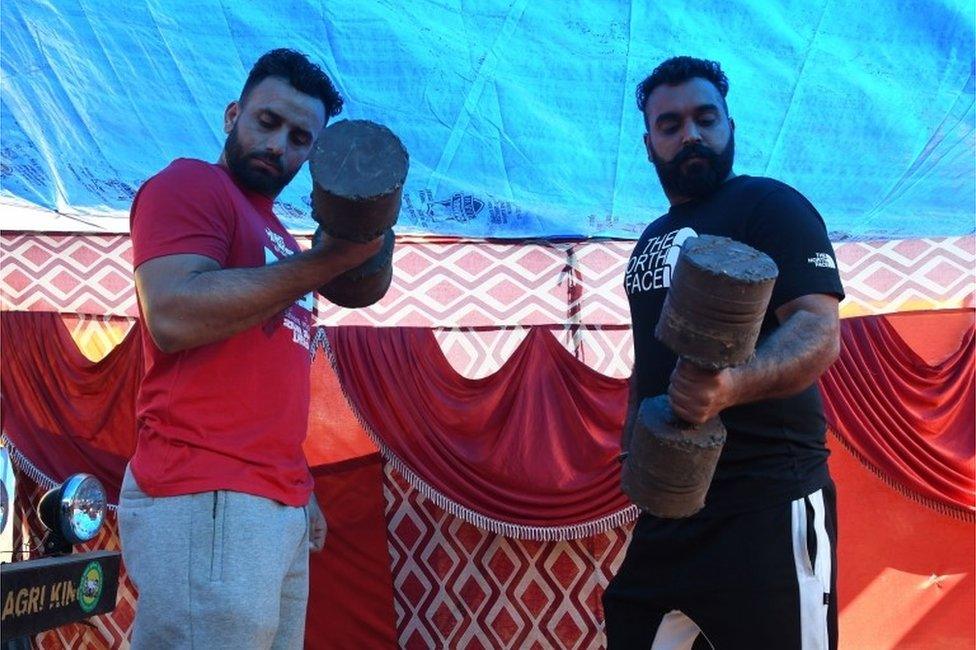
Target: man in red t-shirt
point(216, 511)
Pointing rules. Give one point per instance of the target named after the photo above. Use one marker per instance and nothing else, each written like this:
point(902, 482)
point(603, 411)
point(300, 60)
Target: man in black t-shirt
point(756, 568)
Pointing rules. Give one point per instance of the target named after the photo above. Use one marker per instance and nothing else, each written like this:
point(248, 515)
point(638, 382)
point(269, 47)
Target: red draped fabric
point(534, 444)
point(490, 445)
point(64, 413)
point(909, 421)
point(350, 601)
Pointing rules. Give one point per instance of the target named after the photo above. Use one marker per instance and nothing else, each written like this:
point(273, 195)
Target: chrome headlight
point(76, 509)
point(5, 503)
point(8, 487)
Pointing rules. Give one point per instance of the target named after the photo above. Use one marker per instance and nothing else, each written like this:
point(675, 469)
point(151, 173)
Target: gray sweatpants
point(215, 569)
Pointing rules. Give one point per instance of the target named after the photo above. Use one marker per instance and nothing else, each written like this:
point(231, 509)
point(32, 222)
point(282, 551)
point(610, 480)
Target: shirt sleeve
point(183, 209)
point(787, 227)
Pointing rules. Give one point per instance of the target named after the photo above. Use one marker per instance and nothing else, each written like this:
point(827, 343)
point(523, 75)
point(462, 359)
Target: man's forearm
point(213, 304)
point(789, 361)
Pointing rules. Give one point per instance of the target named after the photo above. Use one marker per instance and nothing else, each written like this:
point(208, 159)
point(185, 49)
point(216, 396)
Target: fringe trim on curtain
point(24, 464)
point(497, 526)
point(952, 510)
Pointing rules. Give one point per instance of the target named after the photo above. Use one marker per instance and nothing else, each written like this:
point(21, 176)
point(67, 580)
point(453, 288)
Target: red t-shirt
point(229, 415)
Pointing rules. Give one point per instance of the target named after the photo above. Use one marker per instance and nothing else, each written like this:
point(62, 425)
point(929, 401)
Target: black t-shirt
point(775, 450)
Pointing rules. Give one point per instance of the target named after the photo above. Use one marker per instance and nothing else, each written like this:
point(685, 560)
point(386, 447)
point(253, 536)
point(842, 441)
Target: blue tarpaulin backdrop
point(519, 116)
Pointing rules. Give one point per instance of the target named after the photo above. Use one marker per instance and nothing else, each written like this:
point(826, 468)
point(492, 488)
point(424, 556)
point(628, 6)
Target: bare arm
point(188, 300)
point(790, 360)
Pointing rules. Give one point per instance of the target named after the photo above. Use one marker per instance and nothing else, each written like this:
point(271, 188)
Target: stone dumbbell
point(712, 315)
point(358, 170)
point(365, 284)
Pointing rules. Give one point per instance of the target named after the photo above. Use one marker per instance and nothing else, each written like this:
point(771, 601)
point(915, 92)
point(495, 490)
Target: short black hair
point(680, 69)
point(303, 75)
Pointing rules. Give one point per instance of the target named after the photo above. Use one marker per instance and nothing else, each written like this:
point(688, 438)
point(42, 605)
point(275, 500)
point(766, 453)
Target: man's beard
point(701, 179)
point(253, 177)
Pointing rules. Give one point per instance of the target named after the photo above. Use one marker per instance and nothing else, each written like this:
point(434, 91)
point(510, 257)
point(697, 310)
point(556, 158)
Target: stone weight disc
point(365, 284)
point(358, 170)
point(670, 465)
point(714, 309)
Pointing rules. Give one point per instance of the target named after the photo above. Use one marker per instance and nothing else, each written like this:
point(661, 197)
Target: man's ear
point(647, 146)
point(732, 124)
point(230, 115)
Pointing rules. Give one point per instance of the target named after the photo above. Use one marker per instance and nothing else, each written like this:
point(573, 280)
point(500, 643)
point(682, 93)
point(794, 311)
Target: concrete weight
point(712, 315)
point(669, 467)
point(365, 284)
point(714, 309)
point(358, 170)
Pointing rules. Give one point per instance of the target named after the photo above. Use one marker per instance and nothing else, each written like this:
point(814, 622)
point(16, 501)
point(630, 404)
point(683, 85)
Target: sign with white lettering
point(42, 594)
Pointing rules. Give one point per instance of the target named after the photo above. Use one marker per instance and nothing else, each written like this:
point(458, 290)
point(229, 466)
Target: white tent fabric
point(519, 116)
